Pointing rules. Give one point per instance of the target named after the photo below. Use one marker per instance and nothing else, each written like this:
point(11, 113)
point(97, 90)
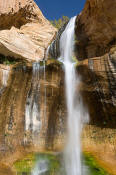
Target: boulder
point(24, 31)
point(19, 12)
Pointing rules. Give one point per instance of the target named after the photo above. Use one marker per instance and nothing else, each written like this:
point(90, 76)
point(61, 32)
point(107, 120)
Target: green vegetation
point(26, 165)
point(7, 60)
point(54, 164)
point(60, 22)
point(94, 168)
point(50, 61)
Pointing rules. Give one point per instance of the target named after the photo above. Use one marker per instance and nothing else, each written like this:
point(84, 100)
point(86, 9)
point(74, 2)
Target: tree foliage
point(60, 22)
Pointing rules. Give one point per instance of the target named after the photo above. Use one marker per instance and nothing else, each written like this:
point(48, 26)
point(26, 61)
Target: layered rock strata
point(24, 31)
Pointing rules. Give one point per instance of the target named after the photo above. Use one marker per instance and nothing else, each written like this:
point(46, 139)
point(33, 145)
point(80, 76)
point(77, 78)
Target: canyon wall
point(96, 53)
point(96, 28)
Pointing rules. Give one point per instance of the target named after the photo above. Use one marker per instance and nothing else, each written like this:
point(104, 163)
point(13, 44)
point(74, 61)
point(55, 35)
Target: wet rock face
point(32, 103)
point(54, 48)
point(12, 102)
point(98, 89)
point(32, 108)
point(96, 28)
point(24, 31)
point(95, 48)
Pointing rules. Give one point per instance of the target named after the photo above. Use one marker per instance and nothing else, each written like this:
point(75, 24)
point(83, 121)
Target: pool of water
point(52, 164)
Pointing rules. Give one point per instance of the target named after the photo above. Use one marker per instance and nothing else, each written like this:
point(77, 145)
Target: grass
point(94, 167)
point(26, 165)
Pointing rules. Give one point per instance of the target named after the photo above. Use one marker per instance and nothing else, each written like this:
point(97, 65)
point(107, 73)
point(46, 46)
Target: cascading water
point(32, 113)
point(44, 92)
point(75, 109)
point(5, 76)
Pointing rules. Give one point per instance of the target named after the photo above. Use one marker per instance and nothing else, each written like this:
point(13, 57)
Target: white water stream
point(75, 109)
point(32, 114)
point(44, 93)
point(5, 76)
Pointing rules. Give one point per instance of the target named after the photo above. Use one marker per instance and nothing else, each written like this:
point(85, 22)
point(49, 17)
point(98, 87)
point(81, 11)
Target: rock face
point(54, 48)
point(96, 47)
point(96, 51)
point(98, 89)
point(24, 31)
point(96, 28)
point(32, 107)
point(19, 12)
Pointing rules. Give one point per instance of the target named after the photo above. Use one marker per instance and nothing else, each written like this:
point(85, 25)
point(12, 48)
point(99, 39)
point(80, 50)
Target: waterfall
point(5, 76)
point(32, 113)
point(44, 92)
point(75, 109)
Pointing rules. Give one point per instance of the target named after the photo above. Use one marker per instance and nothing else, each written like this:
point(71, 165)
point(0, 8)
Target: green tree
point(60, 22)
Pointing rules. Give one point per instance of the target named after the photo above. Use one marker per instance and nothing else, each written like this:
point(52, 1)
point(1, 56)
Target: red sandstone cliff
point(96, 28)
point(96, 47)
point(96, 50)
